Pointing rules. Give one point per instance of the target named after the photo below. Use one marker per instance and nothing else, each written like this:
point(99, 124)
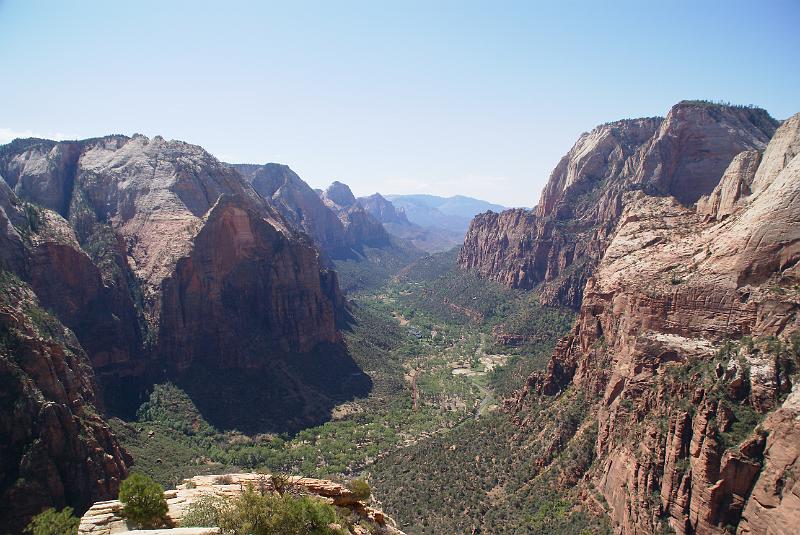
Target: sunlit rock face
point(557, 245)
point(165, 218)
point(163, 263)
point(683, 343)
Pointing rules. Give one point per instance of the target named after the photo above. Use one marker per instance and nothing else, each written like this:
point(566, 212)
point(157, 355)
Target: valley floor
point(427, 341)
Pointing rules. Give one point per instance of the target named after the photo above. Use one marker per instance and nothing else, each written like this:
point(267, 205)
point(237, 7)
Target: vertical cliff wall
point(557, 245)
point(688, 343)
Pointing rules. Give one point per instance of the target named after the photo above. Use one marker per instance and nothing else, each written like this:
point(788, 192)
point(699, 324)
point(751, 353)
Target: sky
point(472, 98)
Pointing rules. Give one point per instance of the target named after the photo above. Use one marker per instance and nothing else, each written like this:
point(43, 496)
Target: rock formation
point(104, 518)
point(688, 335)
point(558, 244)
point(360, 227)
point(299, 204)
point(383, 210)
point(164, 262)
point(149, 212)
point(56, 451)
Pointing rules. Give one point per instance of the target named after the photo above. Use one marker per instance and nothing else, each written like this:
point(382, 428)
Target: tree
point(52, 522)
point(360, 489)
point(143, 501)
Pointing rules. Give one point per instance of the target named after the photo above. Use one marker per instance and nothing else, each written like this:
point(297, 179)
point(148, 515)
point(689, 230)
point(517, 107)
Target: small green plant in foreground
point(52, 522)
point(143, 501)
point(253, 513)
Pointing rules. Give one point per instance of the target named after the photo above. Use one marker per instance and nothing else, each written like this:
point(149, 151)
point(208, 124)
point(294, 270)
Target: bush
point(252, 513)
point(52, 522)
point(143, 501)
point(226, 479)
point(360, 488)
point(206, 512)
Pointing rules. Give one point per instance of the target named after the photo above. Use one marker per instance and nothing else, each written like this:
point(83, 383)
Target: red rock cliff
point(559, 243)
point(686, 345)
point(151, 232)
point(56, 451)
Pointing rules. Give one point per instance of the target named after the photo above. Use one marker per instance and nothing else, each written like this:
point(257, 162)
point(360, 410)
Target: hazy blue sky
point(477, 98)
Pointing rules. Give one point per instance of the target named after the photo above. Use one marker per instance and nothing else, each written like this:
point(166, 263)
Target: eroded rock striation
point(686, 346)
point(558, 244)
point(56, 450)
point(299, 204)
point(151, 214)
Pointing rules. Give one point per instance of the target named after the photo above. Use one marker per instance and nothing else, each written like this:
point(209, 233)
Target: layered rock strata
point(56, 450)
point(164, 263)
point(146, 214)
point(558, 244)
point(687, 343)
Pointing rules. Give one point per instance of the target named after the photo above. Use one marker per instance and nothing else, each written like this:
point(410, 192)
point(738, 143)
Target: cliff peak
point(682, 156)
point(339, 194)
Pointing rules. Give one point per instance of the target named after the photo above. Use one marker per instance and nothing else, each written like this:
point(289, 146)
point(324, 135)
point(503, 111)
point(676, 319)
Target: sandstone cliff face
point(559, 243)
point(56, 451)
point(141, 207)
point(383, 210)
point(687, 336)
point(360, 227)
point(161, 260)
point(338, 196)
point(299, 204)
point(225, 307)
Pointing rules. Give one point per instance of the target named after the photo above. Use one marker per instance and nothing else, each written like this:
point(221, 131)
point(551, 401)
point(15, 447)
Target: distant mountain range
point(449, 213)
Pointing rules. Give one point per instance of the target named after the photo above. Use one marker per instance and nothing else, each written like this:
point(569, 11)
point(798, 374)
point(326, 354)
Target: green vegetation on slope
point(487, 476)
point(428, 339)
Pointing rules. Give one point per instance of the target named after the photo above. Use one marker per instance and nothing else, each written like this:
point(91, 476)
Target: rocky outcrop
point(56, 450)
point(361, 228)
point(734, 186)
point(224, 306)
point(105, 518)
point(338, 196)
point(146, 213)
point(39, 244)
point(686, 337)
point(383, 210)
point(299, 204)
point(773, 505)
point(163, 262)
point(559, 244)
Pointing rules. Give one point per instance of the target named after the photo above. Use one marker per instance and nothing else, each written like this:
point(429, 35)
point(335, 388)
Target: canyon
point(556, 246)
point(163, 262)
point(152, 296)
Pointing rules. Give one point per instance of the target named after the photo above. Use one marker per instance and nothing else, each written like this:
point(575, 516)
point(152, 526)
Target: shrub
point(360, 488)
point(226, 479)
point(143, 501)
point(280, 483)
point(206, 511)
point(52, 522)
point(254, 514)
